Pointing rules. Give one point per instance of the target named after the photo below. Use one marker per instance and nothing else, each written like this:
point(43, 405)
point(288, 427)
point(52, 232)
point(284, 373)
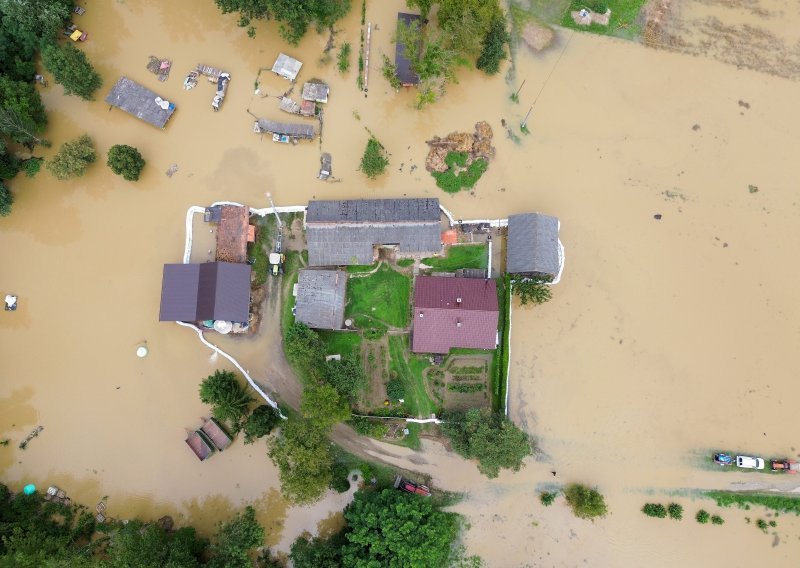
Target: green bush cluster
point(702, 516)
point(374, 160)
point(586, 502)
point(655, 510)
point(453, 182)
point(395, 389)
point(366, 427)
point(548, 497)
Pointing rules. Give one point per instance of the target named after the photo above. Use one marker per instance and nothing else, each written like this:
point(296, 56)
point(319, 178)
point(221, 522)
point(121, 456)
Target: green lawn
point(499, 367)
point(460, 256)
point(342, 342)
point(382, 296)
point(621, 24)
point(409, 371)
point(356, 268)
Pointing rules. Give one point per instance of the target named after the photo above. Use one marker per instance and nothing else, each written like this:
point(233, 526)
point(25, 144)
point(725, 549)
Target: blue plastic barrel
point(29, 489)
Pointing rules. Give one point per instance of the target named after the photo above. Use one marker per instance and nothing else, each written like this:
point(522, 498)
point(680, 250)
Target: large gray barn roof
point(374, 211)
point(139, 101)
point(208, 291)
point(532, 246)
point(289, 129)
point(321, 298)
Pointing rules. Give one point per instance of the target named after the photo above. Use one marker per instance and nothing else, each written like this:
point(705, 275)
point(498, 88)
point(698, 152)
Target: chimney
point(420, 314)
point(458, 301)
point(458, 323)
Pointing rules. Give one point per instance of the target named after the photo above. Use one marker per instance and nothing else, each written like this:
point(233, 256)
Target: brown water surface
point(665, 339)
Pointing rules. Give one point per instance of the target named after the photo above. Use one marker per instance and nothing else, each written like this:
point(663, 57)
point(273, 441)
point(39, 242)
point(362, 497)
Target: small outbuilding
point(216, 433)
point(203, 292)
point(402, 64)
point(232, 233)
point(287, 67)
point(302, 131)
point(140, 102)
point(321, 298)
point(533, 249)
point(316, 91)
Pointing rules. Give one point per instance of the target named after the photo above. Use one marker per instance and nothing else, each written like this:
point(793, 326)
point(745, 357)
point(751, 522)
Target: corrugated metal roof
point(294, 130)
point(138, 101)
point(532, 246)
point(209, 291)
point(401, 63)
point(374, 211)
point(287, 67)
point(442, 322)
point(337, 245)
point(321, 298)
point(316, 91)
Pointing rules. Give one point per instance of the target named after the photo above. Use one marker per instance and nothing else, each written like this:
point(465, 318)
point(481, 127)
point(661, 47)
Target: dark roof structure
point(232, 233)
point(209, 291)
point(454, 312)
point(293, 130)
point(287, 67)
point(321, 298)
point(402, 64)
point(346, 232)
point(139, 101)
point(532, 246)
point(316, 91)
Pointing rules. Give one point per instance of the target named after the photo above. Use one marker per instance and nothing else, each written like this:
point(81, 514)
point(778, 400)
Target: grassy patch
point(781, 503)
point(459, 175)
point(342, 342)
point(621, 24)
point(546, 10)
point(382, 297)
point(358, 268)
point(383, 475)
point(259, 250)
point(499, 367)
point(409, 371)
point(405, 262)
point(460, 256)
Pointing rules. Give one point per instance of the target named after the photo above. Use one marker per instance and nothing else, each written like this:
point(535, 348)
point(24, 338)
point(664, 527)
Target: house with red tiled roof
point(454, 312)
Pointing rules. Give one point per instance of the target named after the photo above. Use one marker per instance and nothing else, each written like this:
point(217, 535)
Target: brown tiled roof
point(454, 312)
point(232, 234)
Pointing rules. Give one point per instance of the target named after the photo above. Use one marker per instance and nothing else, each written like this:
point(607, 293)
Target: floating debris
point(31, 436)
point(160, 67)
point(325, 169)
point(657, 216)
point(752, 188)
point(172, 169)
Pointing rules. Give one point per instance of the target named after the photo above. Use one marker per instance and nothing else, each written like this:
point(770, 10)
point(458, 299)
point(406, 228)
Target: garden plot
point(463, 382)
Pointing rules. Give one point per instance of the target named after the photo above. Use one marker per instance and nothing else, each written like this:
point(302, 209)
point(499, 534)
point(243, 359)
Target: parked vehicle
point(73, 33)
point(785, 466)
point(749, 462)
point(723, 459)
point(411, 487)
point(276, 261)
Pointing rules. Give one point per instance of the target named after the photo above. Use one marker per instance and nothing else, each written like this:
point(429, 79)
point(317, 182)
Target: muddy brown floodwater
point(665, 338)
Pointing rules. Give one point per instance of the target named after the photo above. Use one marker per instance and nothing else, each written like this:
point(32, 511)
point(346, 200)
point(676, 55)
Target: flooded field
point(666, 337)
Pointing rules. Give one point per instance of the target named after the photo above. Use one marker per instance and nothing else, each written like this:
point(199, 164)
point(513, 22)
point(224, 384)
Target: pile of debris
point(476, 145)
point(160, 67)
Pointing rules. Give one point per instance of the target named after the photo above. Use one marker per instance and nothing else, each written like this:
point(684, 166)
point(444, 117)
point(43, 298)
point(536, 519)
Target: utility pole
point(525, 120)
point(516, 95)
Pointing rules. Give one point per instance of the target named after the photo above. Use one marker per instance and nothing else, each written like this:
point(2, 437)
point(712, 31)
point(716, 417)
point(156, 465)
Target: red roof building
point(454, 312)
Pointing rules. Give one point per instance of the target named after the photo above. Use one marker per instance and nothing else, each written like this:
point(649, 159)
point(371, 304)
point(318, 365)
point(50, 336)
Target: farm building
point(208, 291)
point(402, 65)
point(316, 92)
point(233, 233)
point(140, 102)
point(321, 298)
point(533, 247)
point(347, 232)
point(287, 67)
point(454, 312)
point(304, 131)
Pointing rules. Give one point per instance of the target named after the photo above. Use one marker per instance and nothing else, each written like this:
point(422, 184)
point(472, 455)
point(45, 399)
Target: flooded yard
point(672, 332)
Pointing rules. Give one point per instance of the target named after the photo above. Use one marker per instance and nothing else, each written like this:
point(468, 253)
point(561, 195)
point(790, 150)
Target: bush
point(762, 524)
point(260, 423)
point(702, 516)
point(395, 389)
point(71, 69)
point(717, 520)
point(586, 502)
point(547, 497)
point(344, 57)
point(655, 510)
point(339, 481)
point(367, 427)
point(493, 49)
point(533, 290)
point(125, 161)
point(6, 200)
point(374, 161)
point(451, 182)
point(73, 158)
point(31, 166)
point(675, 511)
point(228, 398)
point(389, 72)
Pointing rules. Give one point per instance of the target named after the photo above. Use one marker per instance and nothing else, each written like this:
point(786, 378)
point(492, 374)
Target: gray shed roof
point(294, 130)
point(374, 211)
point(532, 246)
point(316, 91)
point(139, 101)
point(287, 67)
point(321, 298)
point(208, 291)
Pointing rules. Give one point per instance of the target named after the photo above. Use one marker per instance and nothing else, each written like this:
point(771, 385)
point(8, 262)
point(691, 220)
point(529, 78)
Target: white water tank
point(223, 326)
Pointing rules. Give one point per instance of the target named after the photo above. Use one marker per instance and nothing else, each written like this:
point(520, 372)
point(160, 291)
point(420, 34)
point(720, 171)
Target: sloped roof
point(138, 101)
point(208, 291)
point(532, 246)
point(289, 129)
point(401, 63)
point(454, 312)
point(374, 211)
point(321, 298)
point(316, 91)
point(232, 233)
point(287, 67)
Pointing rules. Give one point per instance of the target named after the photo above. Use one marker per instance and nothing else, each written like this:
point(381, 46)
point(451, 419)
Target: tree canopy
point(71, 69)
point(229, 400)
point(294, 17)
point(586, 502)
point(304, 350)
point(323, 406)
point(125, 161)
point(493, 49)
point(532, 290)
point(317, 552)
point(346, 376)
point(260, 423)
point(235, 539)
point(73, 158)
point(37, 19)
point(21, 100)
point(374, 160)
point(398, 530)
point(150, 546)
point(303, 456)
point(487, 436)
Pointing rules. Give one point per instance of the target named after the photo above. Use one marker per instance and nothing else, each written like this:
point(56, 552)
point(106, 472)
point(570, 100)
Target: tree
point(702, 516)
point(228, 398)
point(586, 502)
point(150, 546)
point(487, 436)
point(235, 539)
point(323, 406)
point(9, 163)
point(304, 350)
point(493, 50)
point(424, 7)
point(465, 23)
point(317, 552)
point(71, 69)
point(654, 510)
point(20, 128)
point(260, 423)
point(40, 19)
point(675, 511)
point(125, 161)
point(533, 290)
point(73, 158)
point(393, 528)
point(22, 102)
point(295, 17)
point(346, 376)
point(304, 460)
point(548, 497)
point(374, 161)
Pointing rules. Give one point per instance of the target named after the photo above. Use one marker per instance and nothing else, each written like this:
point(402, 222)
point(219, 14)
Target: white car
point(750, 463)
